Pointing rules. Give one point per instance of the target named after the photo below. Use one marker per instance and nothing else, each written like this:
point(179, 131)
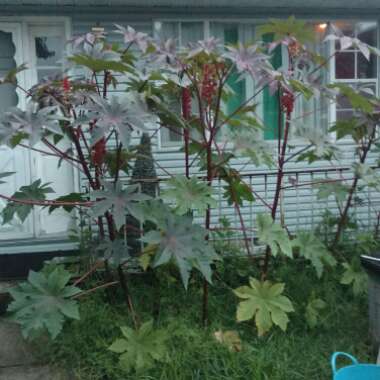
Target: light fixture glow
point(322, 26)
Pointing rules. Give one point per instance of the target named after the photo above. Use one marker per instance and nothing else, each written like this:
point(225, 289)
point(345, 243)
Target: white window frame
point(332, 72)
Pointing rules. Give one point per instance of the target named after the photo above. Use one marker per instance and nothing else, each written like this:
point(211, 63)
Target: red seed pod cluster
point(209, 83)
point(186, 103)
point(287, 101)
point(66, 84)
point(98, 152)
point(294, 48)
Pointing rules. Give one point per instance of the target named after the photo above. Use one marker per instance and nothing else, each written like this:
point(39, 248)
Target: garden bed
point(300, 353)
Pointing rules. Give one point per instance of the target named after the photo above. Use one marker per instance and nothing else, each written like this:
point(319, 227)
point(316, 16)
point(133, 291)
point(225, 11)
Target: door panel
point(14, 160)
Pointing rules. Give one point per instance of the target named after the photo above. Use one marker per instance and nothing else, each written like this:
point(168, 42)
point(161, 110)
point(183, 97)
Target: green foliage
point(44, 302)
point(117, 200)
point(314, 250)
point(189, 194)
point(264, 301)
point(314, 308)
point(97, 65)
point(116, 251)
point(11, 75)
point(367, 175)
point(355, 277)
point(332, 188)
point(4, 175)
point(358, 101)
point(26, 195)
point(290, 27)
point(142, 348)
point(72, 197)
point(183, 242)
point(236, 191)
point(273, 235)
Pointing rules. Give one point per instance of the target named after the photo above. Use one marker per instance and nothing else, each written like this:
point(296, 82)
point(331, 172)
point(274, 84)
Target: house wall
point(303, 208)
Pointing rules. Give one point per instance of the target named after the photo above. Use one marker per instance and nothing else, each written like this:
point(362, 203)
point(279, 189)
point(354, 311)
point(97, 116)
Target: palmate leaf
point(34, 192)
point(4, 175)
point(314, 250)
point(118, 201)
point(116, 251)
point(237, 191)
point(329, 188)
point(142, 348)
point(181, 241)
point(189, 194)
point(266, 303)
point(43, 302)
point(354, 277)
point(290, 27)
point(314, 308)
point(11, 75)
point(369, 176)
point(124, 115)
point(33, 123)
point(273, 235)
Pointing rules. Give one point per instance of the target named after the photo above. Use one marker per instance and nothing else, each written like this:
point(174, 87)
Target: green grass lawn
point(300, 353)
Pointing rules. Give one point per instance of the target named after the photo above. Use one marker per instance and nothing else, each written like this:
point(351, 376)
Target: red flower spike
point(66, 84)
point(98, 152)
point(287, 101)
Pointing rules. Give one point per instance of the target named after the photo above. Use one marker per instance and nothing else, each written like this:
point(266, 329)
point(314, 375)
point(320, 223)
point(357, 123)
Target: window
point(192, 31)
point(47, 45)
point(351, 67)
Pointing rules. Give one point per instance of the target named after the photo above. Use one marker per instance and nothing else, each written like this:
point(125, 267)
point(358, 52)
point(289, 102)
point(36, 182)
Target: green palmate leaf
point(266, 303)
point(249, 142)
point(116, 251)
point(142, 348)
point(273, 235)
point(72, 197)
point(314, 308)
point(5, 174)
point(236, 192)
point(357, 100)
point(351, 127)
point(314, 250)
point(43, 302)
point(288, 28)
point(97, 64)
point(34, 192)
point(189, 194)
point(369, 176)
point(329, 188)
point(118, 201)
point(181, 241)
point(354, 277)
point(11, 75)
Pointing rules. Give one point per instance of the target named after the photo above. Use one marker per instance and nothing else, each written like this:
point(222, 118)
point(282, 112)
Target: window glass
point(48, 43)
point(8, 93)
point(352, 67)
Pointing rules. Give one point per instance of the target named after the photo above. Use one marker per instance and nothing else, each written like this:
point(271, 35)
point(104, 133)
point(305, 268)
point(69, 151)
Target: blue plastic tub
point(355, 371)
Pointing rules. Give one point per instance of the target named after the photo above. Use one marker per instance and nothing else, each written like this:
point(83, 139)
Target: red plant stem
point(351, 193)
point(186, 109)
point(103, 286)
point(45, 203)
point(128, 299)
point(280, 176)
